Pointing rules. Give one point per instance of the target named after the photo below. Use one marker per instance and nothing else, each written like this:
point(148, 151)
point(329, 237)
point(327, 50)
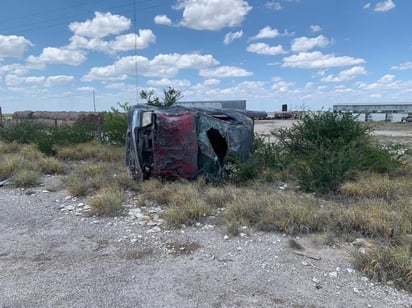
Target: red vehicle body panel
point(176, 147)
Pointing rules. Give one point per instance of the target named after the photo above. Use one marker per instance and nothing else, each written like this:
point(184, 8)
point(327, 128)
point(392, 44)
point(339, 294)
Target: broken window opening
point(218, 143)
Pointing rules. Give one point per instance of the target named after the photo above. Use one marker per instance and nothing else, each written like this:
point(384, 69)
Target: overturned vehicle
point(181, 142)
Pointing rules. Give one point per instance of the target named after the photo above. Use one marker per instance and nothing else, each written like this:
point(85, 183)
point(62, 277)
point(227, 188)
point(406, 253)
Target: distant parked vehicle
point(407, 118)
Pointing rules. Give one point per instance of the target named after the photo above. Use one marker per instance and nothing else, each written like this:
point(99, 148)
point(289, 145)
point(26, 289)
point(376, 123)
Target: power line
point(135, 50)
point(47, 22)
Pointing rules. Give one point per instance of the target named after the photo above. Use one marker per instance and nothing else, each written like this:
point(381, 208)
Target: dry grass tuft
point(51, 165)
point(286, 212)
point(183, 199)
point(374, 218)
point(89, 177)
point(76, 184)
point(372, 186)
point(26, 178)
point(186, 213)
point(107, 202)
point(91, 151)
point(387, 262)
point(220, 196)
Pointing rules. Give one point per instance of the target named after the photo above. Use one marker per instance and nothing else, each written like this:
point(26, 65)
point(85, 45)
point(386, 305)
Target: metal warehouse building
point(393, 112)
point(374, 108)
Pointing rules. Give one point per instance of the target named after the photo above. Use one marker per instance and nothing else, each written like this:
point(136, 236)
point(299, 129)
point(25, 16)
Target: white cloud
point(306, 43)
point(128, 41)
point(384, 83)
point(162, 20)
point(13, 46)
point(266, 32)
point(265, 49)
point(116, 86)
point(282, 86)
point(165, 82)
point(51, 55)
point(51, 81)
point(81, 42)
point(13, 80)
point(346, 75)
point(384, 6)
point(38, 80)
point(231, 36)
point(184, 61)
point(59, 81)
point(273, 5)
point(315, 28)
point(367, 6)
point(224, 72)
point(403, 66)
point(103, 24)
point(212, 14)
point(211, 82)
point(316, 59)
point(86, 89)
point(123, 42)
point(163, 65)
point(14, 69)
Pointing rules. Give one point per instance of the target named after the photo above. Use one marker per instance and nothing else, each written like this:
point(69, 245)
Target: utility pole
point(94, 102)
point(135, 50)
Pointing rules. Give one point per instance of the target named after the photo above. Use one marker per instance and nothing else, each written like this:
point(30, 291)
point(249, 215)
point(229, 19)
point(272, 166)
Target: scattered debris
point(4, 182)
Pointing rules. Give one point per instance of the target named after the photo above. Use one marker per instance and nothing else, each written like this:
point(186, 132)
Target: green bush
point(45, 138)
point(238, 171)
point(80, 132)
point(20, 132)
point(114, 127)
point(266, 154)
point(325, 149)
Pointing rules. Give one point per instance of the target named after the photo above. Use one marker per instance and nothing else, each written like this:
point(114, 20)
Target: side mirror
point(146, 118)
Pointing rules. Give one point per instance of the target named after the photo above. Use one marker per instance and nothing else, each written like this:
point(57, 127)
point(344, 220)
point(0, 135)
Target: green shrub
point(266, 154)
point(238, 171)
point(114, 127)
point(325, 149)
point(21, 132)
point(45, 138)
point(80, 132)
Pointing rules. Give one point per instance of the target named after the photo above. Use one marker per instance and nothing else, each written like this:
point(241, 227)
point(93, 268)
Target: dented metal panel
point(175, 147)
point(180, 142)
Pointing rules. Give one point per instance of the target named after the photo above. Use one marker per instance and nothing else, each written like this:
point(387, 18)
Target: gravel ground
point(54, 254)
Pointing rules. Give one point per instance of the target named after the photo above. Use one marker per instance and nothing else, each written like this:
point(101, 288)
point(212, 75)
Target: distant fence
point(60, 118)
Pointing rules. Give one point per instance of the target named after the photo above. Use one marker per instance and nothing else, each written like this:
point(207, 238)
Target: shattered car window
point(180, 142)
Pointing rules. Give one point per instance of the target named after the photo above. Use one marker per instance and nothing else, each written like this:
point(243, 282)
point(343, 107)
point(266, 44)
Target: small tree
point(171, 96)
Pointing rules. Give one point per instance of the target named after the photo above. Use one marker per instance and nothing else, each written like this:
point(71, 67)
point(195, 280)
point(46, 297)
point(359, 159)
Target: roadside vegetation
point(326, 176)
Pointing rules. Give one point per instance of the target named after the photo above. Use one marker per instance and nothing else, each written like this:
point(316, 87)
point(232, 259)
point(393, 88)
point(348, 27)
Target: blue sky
point(309, 54)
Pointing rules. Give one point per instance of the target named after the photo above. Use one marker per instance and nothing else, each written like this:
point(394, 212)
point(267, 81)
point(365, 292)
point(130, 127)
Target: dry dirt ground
point(54, 254)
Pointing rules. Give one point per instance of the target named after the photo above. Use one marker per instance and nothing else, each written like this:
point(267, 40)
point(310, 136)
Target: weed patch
point(26, 178)
point(387, 262)
point(107, 202)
